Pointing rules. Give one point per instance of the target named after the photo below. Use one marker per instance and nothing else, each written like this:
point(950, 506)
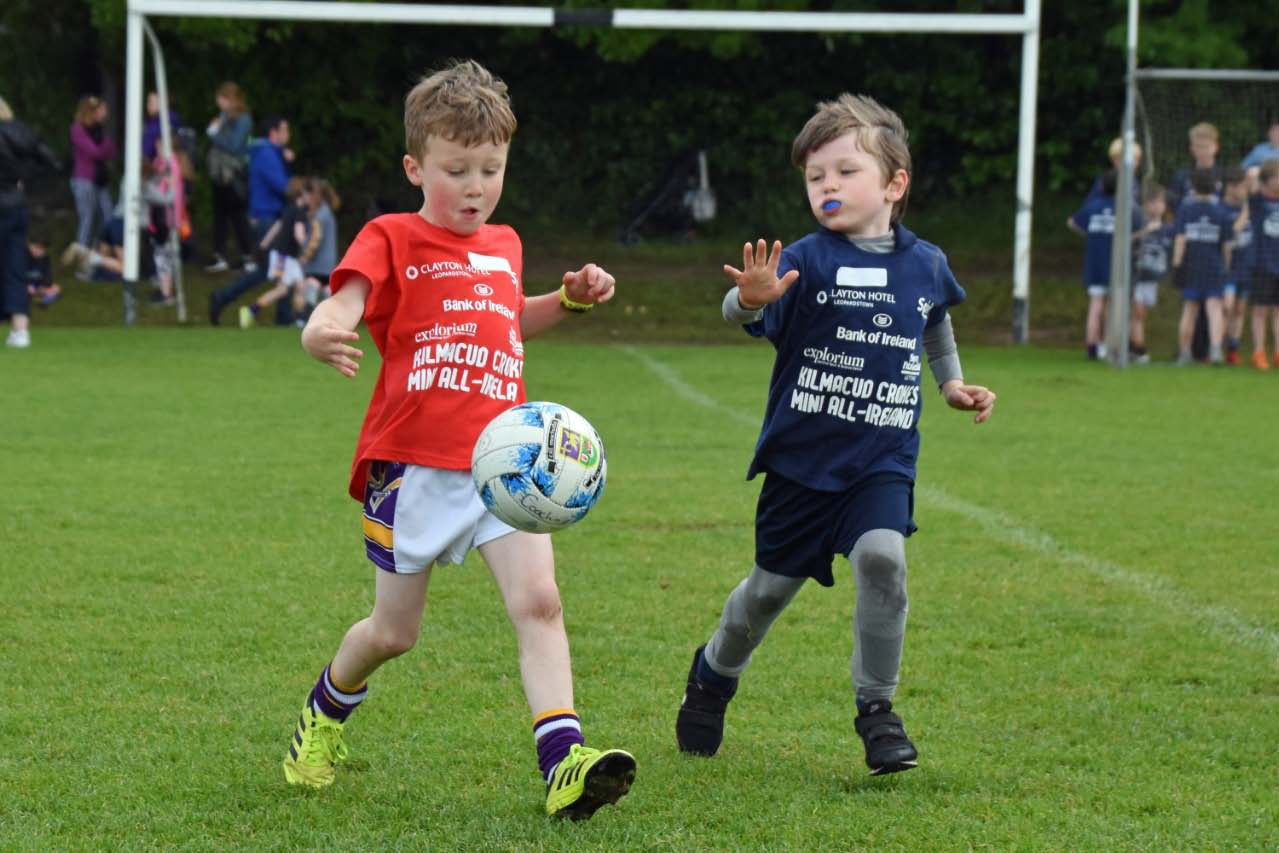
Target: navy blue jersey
point(1180, 191)
point(1207, 227)
point(1264, 215)
point(1153, 255)
point(39, 272)
point(1241, 254)
point(1097, 219)
point(844, 397)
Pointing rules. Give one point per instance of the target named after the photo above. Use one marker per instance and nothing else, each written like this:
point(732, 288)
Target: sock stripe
point(555, 725)
point(341, 696)
point(554, 712)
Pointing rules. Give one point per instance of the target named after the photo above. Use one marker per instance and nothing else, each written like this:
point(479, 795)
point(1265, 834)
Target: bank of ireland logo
point(482, 289)
point(822, 297)
point(882, 321)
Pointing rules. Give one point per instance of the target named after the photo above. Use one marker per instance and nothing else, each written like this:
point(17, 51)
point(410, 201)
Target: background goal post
point(1026, 25)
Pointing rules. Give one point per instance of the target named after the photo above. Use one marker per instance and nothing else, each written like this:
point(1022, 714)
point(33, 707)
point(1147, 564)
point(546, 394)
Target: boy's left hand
point(970, 398)
point(590, 285)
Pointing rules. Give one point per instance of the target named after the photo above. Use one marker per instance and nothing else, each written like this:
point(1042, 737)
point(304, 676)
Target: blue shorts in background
point(799, 531)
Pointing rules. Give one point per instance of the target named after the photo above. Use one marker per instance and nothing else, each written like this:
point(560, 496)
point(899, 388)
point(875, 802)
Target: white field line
point(1222, 621)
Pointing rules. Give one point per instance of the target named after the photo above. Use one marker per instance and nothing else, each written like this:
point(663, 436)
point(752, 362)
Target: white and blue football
point(539, 467)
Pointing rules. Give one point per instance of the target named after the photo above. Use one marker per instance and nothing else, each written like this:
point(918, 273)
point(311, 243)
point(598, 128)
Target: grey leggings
point(879, 623)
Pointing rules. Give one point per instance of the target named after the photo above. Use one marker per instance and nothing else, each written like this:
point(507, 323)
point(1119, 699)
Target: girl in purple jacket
point(91, 150)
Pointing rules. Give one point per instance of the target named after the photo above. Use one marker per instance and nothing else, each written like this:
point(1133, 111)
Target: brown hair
point(1268, 170)
point(1152, 190)
point(323, 190)
point(233, 93)
point(463, 103)
point(879, 132)
point(87, 109)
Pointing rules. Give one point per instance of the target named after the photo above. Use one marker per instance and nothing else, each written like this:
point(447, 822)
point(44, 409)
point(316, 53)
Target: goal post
point(1026, 25)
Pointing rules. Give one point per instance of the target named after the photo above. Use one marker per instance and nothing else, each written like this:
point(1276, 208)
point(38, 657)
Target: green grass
point(1092, 658)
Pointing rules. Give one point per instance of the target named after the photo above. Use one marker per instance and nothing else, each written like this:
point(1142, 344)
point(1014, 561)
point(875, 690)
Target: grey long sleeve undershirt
point(939, 340)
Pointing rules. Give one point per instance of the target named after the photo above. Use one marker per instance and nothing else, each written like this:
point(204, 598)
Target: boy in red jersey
point(441, 294)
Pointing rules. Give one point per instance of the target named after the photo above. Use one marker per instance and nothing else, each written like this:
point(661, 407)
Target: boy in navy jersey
point(1095, 220)
point(850, 309)
point(1263, 213)
point(1204, 230)
point(1234, 299)
point(1151, 255)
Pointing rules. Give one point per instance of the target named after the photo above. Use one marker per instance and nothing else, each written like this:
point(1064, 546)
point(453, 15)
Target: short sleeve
point(951, 292)
point(1080, 218)
point(369, 256)
point(1179, 221)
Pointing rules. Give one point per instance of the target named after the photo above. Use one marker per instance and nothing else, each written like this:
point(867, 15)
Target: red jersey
point(444, 312)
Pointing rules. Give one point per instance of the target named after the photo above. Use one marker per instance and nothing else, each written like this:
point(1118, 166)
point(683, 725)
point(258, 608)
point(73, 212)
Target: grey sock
point(879, 623)
point(748, 614)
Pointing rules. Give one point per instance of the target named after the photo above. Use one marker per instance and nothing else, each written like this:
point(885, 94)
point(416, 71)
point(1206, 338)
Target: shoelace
point(326, 743)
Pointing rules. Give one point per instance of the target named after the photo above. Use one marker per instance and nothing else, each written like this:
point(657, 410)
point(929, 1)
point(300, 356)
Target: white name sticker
point(489, 263)
point(861, 277)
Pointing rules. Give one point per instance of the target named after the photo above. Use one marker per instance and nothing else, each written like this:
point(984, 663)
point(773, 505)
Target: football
point(539, 467)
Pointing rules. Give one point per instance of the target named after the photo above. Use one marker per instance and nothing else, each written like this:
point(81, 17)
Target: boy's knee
point(394, 640)
point(538, 603)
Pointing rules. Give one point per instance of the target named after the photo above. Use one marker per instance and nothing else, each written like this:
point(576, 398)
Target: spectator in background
point(1263, 213)
point(268, 181)
point(1234, 303)
point(228, 175)
point(21, 152)
point(1116, 154)
point(151, 131)
point(1152, 253)
point(1205, 142)
point(1263, 151)
point(269, 159)
point(1095, 220)
point(91, 150)
point(40, 283)
point(1204, 231)
point(324, 202)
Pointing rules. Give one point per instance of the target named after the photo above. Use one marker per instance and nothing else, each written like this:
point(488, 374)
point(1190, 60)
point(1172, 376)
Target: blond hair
point(1116, 149)
point(87, 109)
point(1204, 131)
point(462, 103)
point(1268, 170)
point(6, 114)
point(324, 191)
point(878, 131)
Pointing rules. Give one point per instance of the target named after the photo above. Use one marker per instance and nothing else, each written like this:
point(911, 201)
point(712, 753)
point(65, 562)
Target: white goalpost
point(1025, 25)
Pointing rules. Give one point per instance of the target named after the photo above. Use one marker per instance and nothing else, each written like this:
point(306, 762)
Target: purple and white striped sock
point(555, 732)
point(333, 701)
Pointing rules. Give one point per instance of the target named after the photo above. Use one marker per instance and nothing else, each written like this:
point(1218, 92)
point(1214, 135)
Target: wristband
point(570, 305)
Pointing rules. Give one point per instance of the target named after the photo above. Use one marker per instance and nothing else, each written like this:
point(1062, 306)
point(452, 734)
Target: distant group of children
point(1215, 230)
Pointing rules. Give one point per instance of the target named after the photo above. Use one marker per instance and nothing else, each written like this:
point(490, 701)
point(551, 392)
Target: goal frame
point(1027, 25)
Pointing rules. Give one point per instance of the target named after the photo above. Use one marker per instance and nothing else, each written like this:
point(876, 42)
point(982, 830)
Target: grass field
point(1092, 659)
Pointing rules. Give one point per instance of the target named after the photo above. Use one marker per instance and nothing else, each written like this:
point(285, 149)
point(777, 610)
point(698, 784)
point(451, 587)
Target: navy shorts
point(799, 531)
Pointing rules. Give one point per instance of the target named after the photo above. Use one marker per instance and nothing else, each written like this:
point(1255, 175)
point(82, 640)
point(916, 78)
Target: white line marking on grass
point(1223, 621)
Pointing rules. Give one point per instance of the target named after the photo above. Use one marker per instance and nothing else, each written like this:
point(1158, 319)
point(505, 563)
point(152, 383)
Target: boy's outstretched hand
point(757, 281)
point(970, 398)
point(327, 342)
point(590, 285)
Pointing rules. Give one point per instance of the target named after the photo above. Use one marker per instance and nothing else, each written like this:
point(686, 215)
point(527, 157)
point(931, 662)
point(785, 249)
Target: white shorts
point(284, 268)
point(415, 516)
point(1145, 293)
point(1098, 289)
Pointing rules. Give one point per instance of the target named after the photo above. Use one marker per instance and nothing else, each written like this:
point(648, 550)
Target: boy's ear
point(897, 185)
point(412, 170)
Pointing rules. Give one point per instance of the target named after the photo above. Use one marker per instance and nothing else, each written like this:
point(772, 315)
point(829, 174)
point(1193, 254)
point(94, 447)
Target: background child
point(283, 241)
point(40, 283)
point(1153, 251)
point(1095, 220)
point(1205, 142)
point(1203, 230)
point(1263, 212)
point(1234, 296)
point(414, 279)
point(839, 441)
point(320, 256)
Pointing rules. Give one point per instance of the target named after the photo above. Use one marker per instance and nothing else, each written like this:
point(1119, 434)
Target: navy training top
point(844, 398)
point(1207, 226)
